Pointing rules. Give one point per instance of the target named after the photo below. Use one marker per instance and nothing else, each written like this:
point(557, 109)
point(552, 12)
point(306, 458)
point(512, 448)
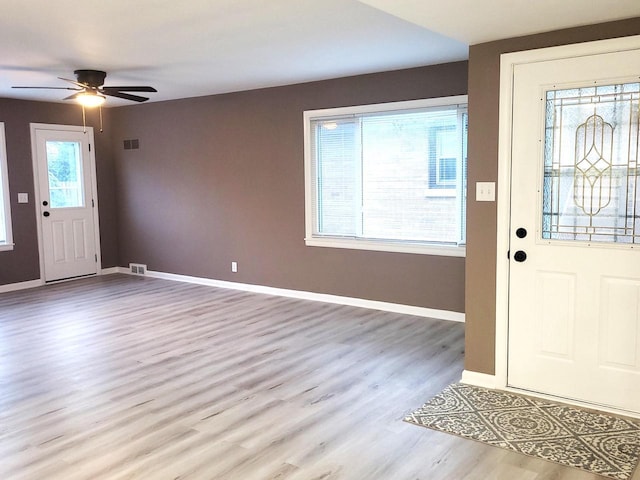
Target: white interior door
point(574, 275)
point(65, 172)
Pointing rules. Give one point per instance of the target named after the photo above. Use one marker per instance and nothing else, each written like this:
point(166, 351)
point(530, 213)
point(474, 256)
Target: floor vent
point(138, 268)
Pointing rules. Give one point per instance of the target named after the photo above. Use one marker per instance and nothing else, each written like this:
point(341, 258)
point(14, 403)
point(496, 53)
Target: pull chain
point(84, 120)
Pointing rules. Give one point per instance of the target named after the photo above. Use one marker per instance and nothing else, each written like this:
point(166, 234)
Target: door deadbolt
point(46, 214)
point(521, 232)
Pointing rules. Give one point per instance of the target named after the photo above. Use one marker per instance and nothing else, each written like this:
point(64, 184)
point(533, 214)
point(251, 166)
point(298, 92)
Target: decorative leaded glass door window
point(591, 144)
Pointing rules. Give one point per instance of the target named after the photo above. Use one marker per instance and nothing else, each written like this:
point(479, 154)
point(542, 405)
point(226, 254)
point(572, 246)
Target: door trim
point(508, 61)
point(36, 196)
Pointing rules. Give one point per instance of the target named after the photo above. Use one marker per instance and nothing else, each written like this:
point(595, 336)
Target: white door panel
point(619, 320)
point(574, 302)
point(66, 208)
point(555, 314)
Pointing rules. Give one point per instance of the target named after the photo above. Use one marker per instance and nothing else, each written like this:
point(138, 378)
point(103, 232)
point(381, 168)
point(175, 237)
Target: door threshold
point(578, 403)
point(69, 279)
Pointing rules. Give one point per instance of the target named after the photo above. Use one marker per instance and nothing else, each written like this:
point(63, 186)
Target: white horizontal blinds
point(336, 162)
point(4, 194)
point(3, 220)
point(461, 185)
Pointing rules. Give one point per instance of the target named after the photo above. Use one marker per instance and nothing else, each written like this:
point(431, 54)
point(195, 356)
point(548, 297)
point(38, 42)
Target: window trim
point(362, 243)
point(6, 197)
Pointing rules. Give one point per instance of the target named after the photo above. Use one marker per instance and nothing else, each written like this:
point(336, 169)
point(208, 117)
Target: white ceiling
point(203, 47)
point(478, 21)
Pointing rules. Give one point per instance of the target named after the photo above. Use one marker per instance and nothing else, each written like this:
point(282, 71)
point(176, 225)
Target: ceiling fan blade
point(81, 85)
point(126, 96)
point(128, 89)
point(53, 88)
point(72, 97)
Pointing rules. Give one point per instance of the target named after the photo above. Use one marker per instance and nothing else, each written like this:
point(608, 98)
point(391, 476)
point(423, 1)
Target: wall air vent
point(137, 268)
point(131, 144)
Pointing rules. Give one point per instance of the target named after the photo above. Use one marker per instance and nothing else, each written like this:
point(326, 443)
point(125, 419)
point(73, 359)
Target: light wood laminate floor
point(121, 377)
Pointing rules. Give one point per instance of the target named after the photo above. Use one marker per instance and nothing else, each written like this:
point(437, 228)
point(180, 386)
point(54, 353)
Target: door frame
point(508, 61)
point(94, 188)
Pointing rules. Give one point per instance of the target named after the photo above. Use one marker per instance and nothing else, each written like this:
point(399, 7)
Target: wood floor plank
point(126, 378)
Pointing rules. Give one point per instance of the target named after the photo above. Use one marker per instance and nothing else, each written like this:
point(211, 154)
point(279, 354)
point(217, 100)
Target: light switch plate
point(485, 191)
point(23, 198)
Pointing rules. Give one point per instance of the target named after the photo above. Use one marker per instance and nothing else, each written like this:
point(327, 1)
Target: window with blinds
point(388, 177)
point(6, 240)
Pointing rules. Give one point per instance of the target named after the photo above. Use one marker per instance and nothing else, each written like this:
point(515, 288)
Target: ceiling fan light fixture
point(90, 99)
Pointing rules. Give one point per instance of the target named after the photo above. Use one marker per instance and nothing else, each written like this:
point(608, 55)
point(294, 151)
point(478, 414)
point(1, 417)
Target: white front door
point(574, 271)
point(65, 173)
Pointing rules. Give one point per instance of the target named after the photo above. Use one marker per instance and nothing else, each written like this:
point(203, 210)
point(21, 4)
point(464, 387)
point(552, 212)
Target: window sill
point(6, 246)
point(381, 246)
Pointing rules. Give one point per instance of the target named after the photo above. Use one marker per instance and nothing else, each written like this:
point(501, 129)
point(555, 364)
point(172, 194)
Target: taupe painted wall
point(22, 263)
point(484, 71)
point(221, 178)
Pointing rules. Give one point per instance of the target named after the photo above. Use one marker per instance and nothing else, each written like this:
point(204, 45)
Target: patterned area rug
point(596, 442)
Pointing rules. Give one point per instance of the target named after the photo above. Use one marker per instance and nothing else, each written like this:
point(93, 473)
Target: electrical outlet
point(234, 267)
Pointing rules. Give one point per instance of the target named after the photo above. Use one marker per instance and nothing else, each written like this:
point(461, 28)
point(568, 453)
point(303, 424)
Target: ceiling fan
point(89, 85)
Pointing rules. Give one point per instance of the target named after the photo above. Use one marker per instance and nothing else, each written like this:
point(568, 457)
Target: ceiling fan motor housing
point(91, 78)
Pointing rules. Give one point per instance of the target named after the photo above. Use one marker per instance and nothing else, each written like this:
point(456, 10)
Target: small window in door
point(64, 164)
point(591, 190)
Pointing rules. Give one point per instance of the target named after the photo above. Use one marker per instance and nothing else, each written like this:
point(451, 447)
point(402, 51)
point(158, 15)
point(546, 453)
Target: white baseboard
point(281, 292)
point(12, 287)
point(110, 270)
point(302, 295)
point(479, 379)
